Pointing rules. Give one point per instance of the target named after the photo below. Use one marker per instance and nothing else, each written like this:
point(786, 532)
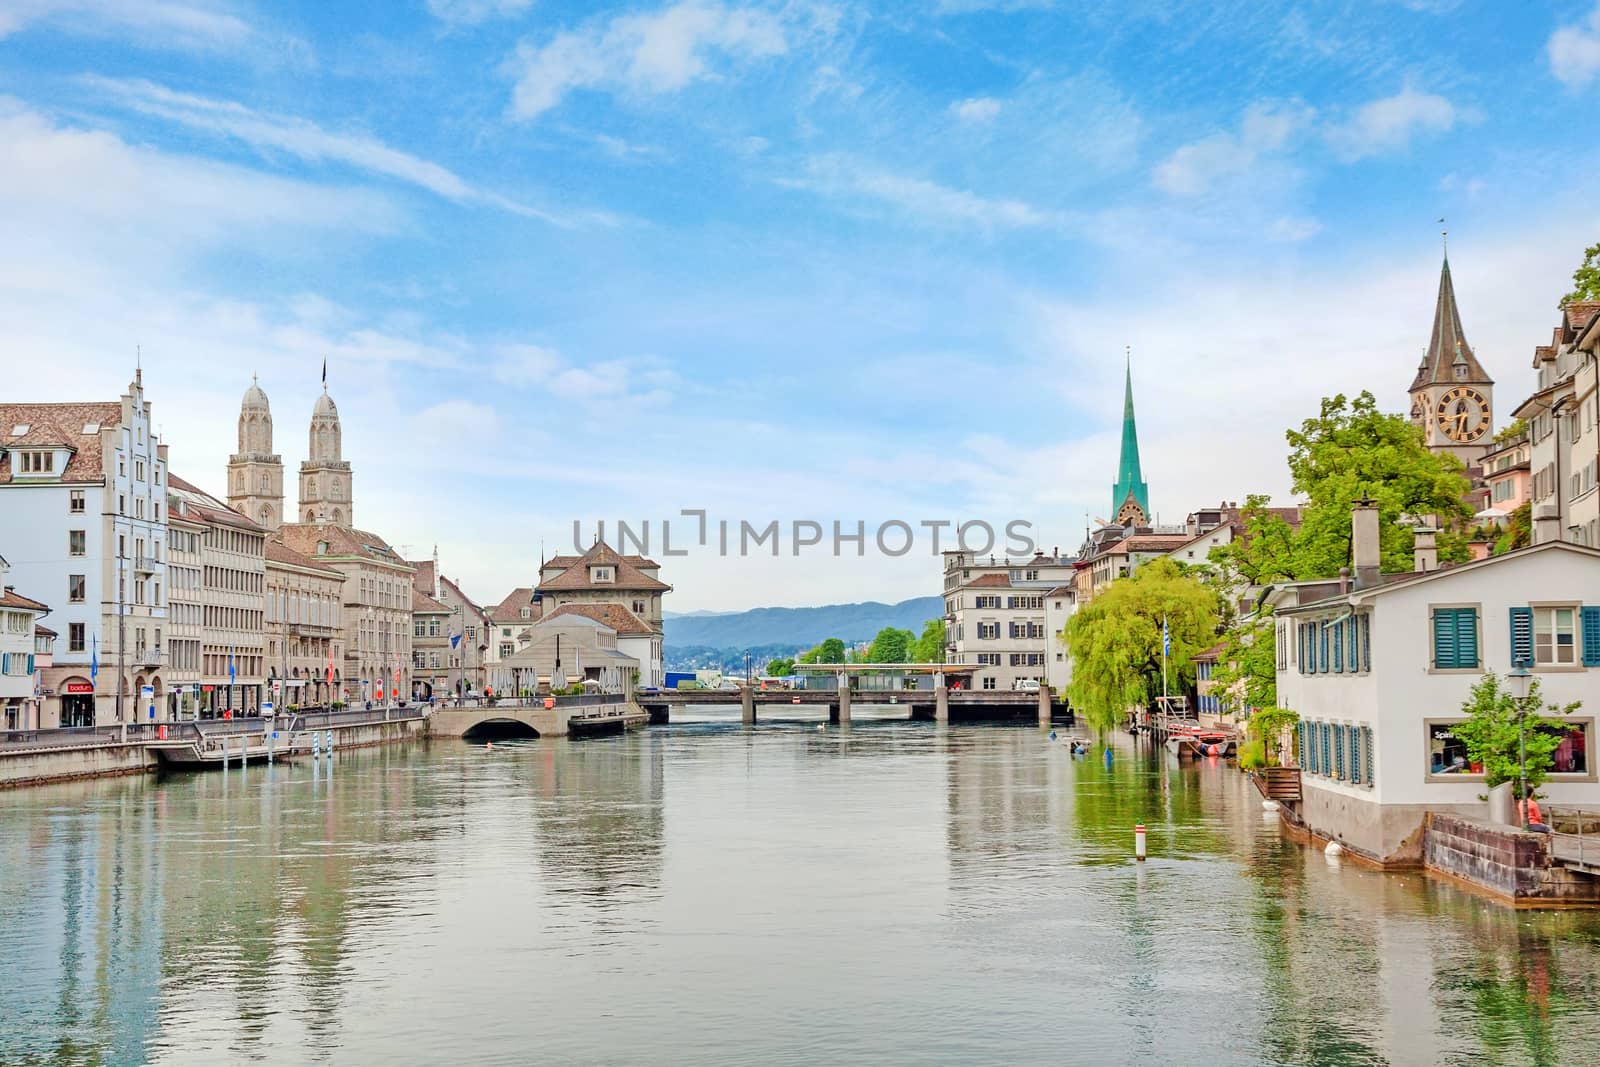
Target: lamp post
point(1521, 679)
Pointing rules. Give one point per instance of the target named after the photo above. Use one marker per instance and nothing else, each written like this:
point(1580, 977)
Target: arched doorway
point(76, 697)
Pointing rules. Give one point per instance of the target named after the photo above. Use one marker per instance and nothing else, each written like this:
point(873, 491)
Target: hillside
point(799, 628)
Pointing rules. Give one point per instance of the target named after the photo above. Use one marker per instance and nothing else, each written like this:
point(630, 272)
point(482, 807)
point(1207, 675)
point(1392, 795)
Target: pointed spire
point(1130, 485)
point(1447, 343)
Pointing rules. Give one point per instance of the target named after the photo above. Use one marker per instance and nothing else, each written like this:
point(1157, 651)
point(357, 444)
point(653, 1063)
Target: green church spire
point(1130, 487)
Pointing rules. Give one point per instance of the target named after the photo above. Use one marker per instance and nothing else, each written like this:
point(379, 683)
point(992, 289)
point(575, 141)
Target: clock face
point(1463, 414)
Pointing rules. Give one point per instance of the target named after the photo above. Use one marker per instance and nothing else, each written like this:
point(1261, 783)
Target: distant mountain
point(799, 628)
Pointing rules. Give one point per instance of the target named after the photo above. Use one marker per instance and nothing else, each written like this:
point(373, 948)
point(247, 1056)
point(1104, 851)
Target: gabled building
point(603, 576)
point(19, 666)
point(995, 615)
point(83, 496)
point(1379, 665)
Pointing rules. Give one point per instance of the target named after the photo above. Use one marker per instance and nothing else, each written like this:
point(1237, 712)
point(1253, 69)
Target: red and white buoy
point(1138, 842)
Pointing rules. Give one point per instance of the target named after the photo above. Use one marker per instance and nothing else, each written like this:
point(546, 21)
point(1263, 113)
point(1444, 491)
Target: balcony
point(146, 564)
point(147, 657)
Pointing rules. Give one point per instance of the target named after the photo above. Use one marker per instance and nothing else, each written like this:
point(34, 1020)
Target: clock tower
point(1452, 398)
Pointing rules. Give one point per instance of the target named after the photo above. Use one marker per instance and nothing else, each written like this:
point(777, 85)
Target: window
point(1353, 756)
point(76, 588)
point(988, 631)
point(1555, 636)
point(77, 542)
point(75, 502)
point(1455, 639)
point(986, 602)
point(603, 574)
point(988, 683)
point(506, 650)
point(38, 462)
point(76, 642)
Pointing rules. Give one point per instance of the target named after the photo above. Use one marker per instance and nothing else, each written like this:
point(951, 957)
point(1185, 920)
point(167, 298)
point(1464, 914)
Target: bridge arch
point(499, 728)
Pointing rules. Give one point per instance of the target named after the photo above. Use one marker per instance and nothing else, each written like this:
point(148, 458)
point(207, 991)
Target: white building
point(1060, 604)
point(82, 492)
point(995, 616)
point(19, 623)
point(1379, 670)
point(628, 589)
point(1563, 417)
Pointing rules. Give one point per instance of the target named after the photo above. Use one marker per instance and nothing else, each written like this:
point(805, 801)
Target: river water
point(701, 893)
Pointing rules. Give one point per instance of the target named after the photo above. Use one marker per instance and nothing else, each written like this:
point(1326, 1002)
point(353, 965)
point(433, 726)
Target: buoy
point(1269, 805)
point(1334, 849)
point(1138, 842)
point(1052, 734)
point(821, 727)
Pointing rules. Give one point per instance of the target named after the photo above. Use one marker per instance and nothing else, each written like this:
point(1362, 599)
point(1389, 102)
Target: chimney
point(1344, 580)
point(1424, 550)
point(1546, 524)
point(1365, 553)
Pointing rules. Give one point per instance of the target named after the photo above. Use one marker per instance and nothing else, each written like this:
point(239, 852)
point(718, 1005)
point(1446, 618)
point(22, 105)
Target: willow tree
point(1116, 640)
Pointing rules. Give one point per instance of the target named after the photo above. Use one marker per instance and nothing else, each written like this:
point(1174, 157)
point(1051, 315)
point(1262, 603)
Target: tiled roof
point(1152, 543)
point(1447, 343)
point(278, 552)
point(12, 599)
point(615, 616)
point(44, 631)
point(1579, 313)
point(60, 425)
point(576, 575)
point(637, 560)
point(342, 541)
point(988, 581)
point(208, 508)
point(422, 602)
point(509, 610)
point(1061, 590)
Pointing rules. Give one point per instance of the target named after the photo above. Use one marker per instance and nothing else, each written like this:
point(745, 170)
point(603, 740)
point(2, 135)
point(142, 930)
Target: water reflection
point(713, 893)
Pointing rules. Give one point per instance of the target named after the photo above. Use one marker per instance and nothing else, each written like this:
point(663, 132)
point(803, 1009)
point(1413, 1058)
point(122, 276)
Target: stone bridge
point(579, 716)
point(937, 704)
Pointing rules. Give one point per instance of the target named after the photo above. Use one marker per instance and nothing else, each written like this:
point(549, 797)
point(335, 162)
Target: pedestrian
point(1533, 818)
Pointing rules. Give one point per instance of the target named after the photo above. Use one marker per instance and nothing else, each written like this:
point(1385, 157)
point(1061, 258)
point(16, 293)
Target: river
point(702, 893)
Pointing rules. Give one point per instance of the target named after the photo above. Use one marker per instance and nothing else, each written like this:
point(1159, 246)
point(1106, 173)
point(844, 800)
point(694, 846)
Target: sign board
point(266, 709)
point(80, 687)
point(196, 688)
point(276, 735)
point(147, 692)
point(277, 687)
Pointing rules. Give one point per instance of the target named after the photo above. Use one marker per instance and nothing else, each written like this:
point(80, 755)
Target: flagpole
point(1165, 703)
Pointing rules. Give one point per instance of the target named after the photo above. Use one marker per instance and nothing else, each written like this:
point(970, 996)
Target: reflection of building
point(1379, 672)
point(82, 489)
point(19, 625)
point(995, 615)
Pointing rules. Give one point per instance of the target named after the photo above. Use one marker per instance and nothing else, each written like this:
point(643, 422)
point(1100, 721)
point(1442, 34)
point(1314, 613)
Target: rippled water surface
point(702, 893)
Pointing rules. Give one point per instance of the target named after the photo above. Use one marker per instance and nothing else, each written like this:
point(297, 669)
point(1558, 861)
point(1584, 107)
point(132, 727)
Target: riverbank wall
point(1505, 863)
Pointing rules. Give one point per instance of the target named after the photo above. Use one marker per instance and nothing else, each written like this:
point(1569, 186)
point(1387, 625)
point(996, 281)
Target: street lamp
point(1521, 680)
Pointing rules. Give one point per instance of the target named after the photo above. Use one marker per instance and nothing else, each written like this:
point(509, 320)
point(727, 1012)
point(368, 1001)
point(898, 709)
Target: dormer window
point(36, 462)
point(602, 574)
point(322, 548)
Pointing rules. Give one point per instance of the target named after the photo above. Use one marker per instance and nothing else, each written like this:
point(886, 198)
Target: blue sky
point(785, 261)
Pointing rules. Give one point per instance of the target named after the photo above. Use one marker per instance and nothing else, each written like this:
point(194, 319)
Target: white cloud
point(660, 52)
point(920, 198)
point(1574, 51)
point(472, 12)
point(308, 141)
point(544, 370)
point(456, 420)
point(1293, 229)
point(976, 109)
point(165, 23)
point(1194, 168)
point(1391, 122)
point(524, 365)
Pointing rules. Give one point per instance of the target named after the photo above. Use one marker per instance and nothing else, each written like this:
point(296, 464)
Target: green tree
point(830, 651)
point(780, 668)
point(1352, 449)
point(1490, 732)
point(929, 648)
point(1116, 640)
point(1586, 279)
point(891, 645)
point(1519, 530)
point(1247, 668)
point(1267, 550)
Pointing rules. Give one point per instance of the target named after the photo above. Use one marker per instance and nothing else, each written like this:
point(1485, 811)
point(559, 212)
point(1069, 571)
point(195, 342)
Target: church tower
point(1130, 497)
point(1452, 398)
point(255, 474)
point(324, 477)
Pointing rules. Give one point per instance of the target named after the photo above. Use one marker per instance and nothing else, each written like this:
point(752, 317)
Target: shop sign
point(80, 687)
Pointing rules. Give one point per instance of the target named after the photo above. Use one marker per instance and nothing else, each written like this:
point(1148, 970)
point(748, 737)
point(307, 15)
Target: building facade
point(603, 576)
point(19, 666)
point(326, 482)
point(304, 615)
point(185, 633)
point(233, 590)
point(433, 670)
point(995, 616)
point(1562, 416)
point(470, 656)
point(255, 472)
point(82, 492)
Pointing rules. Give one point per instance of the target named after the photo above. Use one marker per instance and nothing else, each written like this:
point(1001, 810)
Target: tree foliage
point(1586, 279)
point(1490, 732)
point(830, 651)
point(1247, 668)
point(1350, 450)
point(929, 648)
point(1116, 640)
point(1519, 530)
point(780, 668)
point(891, 645)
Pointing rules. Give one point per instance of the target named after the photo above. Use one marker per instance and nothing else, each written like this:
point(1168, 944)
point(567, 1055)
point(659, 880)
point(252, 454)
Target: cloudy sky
point(783, 261)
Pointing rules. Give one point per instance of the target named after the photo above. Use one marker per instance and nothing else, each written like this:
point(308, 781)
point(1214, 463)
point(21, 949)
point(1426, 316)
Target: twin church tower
point(255, 472)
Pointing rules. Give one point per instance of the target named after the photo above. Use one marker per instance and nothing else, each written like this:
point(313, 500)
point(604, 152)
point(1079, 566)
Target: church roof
point(1447, 343)
point(1130, 477)
point(255, 398)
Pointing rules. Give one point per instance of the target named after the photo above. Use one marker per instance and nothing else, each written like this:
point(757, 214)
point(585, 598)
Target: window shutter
point(30, 662)
point(1444, 639)
point(1338, 647)
point(1366, 747)
point(1354, 755)
point(5, 663)
point(1353, 645)
point(1467, 637)
point(1522, 636)
point(1327, 748)
point(1322, 646)
point(1300, 743)
point(1591, 636)
point(1366, 642)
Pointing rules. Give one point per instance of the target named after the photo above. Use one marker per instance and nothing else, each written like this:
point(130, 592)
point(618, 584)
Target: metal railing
point(1576, 836)
point(190, 730)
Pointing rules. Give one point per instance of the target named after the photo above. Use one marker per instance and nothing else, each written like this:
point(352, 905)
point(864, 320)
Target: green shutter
point(1352, 631)
point(1445, 652)
point(30, 663)
point(1591, 636)
point(5, 663)
point(1522, 637)
point(1467, 637)
point(1322, 646)
point(1366, 748)
point(1354, 756)
point(1366, 642)
point(1338, 647)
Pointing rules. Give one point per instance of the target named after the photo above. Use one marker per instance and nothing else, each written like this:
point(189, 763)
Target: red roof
point(11, 599)
point(619, 618)
point(59, 426)
point(628, 575)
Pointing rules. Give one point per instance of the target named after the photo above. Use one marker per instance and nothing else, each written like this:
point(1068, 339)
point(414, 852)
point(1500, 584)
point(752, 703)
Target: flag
point(1166, 638)
point(94, 660)
point(455, 640)
point(325, 377)
point(232, 672)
